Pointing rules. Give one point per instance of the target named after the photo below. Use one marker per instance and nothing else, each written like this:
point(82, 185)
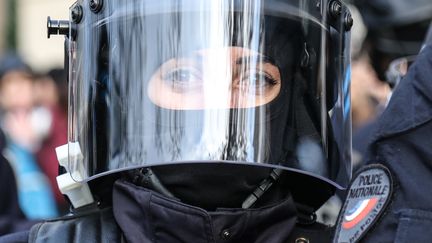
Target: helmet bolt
point(348, 22)
point(335, 8)
point(96, 5)
point(76, 14)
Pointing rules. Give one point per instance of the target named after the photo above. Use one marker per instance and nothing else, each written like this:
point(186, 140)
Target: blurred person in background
point(369, 94)
point(19, 120)
point(11, 217)
point(50, 92)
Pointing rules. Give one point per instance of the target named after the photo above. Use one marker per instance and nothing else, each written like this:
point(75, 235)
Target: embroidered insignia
point(368, 196)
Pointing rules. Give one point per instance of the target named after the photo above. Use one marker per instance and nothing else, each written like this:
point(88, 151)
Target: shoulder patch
point(368, 196)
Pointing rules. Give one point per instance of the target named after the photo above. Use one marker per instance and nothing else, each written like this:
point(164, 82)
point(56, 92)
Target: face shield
point(257, 83)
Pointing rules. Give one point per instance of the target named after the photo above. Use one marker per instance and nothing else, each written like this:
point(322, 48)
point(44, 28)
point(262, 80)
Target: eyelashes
point(188, 79)
point(258, 79)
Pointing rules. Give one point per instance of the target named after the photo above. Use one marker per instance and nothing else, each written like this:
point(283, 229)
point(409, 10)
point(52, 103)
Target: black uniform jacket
point(403, 143)
point(141, 215)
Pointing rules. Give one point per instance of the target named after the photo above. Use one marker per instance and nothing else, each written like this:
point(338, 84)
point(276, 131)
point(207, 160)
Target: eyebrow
point(198, 58)
point(261, 58)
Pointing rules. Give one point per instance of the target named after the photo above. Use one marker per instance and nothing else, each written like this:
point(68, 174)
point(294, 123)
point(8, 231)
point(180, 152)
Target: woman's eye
point(258, 81)
point(182, 78)
point(180, 75)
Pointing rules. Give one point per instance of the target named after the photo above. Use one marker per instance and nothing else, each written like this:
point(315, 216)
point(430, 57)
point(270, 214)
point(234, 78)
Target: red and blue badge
point(368, 196)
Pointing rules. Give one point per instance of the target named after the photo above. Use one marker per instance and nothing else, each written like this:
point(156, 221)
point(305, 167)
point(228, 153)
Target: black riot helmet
point(245, 85)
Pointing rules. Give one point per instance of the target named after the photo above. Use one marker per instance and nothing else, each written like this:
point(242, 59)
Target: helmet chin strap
point(145, 177)
point(262, 188)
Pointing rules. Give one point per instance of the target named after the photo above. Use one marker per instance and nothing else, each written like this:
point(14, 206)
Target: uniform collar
point(146, 216)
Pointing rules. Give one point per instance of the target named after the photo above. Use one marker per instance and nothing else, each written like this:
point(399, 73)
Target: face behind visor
point(260, 84)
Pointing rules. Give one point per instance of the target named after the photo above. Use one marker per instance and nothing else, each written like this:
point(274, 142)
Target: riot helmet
point(252, 84)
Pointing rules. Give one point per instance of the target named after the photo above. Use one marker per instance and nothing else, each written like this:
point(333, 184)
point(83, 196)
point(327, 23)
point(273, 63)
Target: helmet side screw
point(335, 8)
point(348, 21)
point(96, 5)
point(76, 14)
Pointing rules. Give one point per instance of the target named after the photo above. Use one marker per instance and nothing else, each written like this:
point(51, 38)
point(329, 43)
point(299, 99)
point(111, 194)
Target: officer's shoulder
point(369, 195)
point(18, 237)
point(86, 226)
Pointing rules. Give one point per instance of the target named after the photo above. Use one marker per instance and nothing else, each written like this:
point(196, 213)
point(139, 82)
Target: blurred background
point(33, 112)
point(23, 29)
